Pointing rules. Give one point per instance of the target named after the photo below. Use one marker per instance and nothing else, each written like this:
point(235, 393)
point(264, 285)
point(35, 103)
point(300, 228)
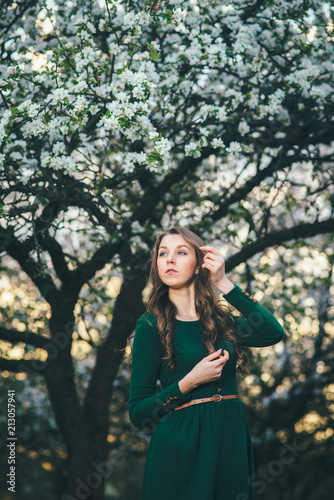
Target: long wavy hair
point(213, 318)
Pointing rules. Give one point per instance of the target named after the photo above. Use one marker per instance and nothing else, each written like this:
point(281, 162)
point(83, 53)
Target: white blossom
point(129, 19)
point(204, 131)
point(80, 104)
point(243, 127)
point(114, 49)
point(131, 159)
point(34, 128)
point(156, 46)
point(253, 100)
point(234, 147)
point(2, 132)
point(191, 149)
point(177, 16)
point(217, 143)
point(232, 82)
point(16, 155)
point(59, 148)
point(58, 95)
point(162, 146)
point(107, 194)
point(109, 123)
point(221, 113)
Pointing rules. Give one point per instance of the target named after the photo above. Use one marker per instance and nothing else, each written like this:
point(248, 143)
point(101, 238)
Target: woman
point(200, 448)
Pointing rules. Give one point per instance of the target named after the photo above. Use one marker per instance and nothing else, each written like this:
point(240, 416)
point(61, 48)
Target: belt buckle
point(217, 397)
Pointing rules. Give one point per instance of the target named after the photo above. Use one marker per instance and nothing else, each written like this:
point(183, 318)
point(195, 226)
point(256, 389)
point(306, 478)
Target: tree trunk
point(87, 450)
point(85, 424)
point(88, 469)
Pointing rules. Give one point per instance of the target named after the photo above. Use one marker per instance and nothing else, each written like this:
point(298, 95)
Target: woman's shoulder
point(149, 319)
point(146, 331)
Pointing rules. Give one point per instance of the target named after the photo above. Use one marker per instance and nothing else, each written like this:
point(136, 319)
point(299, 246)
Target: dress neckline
point(191, 321)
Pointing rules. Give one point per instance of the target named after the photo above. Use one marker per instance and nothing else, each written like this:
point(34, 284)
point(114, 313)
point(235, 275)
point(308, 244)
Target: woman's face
point(176, 254)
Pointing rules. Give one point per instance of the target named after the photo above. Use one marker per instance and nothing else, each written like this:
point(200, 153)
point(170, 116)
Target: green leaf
point(154, 55)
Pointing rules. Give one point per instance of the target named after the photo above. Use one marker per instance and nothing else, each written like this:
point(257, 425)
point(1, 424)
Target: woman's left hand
point(215, 263)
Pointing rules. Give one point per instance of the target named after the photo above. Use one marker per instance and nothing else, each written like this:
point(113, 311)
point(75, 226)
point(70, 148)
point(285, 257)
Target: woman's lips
point(171, 272)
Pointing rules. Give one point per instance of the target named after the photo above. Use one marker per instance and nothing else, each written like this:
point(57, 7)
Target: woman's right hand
point(210, 367)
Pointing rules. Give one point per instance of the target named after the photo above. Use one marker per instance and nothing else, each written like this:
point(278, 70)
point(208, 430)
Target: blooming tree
point(121, 118)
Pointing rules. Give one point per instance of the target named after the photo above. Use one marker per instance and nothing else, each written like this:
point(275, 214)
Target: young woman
point(201, 447)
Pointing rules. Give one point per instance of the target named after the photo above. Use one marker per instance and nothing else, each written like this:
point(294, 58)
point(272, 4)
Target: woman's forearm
point(187, 384)
point(225, 285)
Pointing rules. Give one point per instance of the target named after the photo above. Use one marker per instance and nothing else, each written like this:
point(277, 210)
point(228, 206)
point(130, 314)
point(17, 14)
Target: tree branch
point(278, 237)
point(87, 270)
point(110, 354)
point(14, 336)
point(18, 13)
point(241, 192)
point(33, 269)
point(148, 205)
point(55, 250)
point(249, 11)
point(20, 365)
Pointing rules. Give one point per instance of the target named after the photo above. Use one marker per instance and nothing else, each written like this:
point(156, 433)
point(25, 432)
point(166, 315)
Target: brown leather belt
point(216, 397)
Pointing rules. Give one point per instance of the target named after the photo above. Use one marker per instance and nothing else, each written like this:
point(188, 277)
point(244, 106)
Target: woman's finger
point(209, 257)
point(210, 249)
point(226, 355)
point(211, 264)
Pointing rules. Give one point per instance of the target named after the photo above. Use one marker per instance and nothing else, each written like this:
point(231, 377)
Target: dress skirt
point(202, 452)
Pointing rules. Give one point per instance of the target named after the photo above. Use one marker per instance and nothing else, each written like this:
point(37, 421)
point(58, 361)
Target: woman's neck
point(184, 300)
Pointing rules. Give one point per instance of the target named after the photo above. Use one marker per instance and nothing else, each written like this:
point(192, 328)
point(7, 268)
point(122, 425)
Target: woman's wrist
point(186, 384)
point(225, 286)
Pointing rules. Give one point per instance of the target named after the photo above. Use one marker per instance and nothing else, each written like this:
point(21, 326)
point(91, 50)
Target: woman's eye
point(181, 251)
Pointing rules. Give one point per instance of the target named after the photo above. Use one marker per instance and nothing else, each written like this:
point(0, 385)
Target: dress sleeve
point(146, 406)
point(258, 328)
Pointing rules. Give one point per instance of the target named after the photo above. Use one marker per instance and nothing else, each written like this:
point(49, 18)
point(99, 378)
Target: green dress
point(204, 451)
